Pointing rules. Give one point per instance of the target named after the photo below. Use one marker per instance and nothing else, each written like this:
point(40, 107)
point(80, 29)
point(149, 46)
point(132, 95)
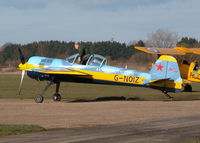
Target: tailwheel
point(56, 97)
point(188, 88)
point(167, 95)
point(39, 99)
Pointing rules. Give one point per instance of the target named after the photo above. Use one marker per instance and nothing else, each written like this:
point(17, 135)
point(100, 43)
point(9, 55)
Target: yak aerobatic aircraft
point(164, 75)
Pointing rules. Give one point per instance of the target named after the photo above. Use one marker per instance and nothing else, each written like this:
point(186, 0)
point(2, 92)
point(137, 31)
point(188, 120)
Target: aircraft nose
point(22, 66)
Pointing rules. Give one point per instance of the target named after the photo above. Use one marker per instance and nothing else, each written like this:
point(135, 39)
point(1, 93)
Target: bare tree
point(132, 43)
point(162, 38)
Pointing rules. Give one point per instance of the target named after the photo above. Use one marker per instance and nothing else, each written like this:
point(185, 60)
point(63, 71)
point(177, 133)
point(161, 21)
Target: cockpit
point(93, 60)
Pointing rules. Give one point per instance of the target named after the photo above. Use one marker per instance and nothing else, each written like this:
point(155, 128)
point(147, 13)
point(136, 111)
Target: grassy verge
point(73, 91)
point(6, 130)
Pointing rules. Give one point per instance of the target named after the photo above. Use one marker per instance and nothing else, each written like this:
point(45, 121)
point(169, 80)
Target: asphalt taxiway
point(176, 130)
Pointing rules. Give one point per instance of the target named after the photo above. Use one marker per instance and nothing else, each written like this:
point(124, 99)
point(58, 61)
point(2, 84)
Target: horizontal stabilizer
point(158, 80)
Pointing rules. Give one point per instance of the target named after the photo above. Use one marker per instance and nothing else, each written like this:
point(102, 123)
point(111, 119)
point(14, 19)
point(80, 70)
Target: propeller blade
point(21, 55)
point(21, 82)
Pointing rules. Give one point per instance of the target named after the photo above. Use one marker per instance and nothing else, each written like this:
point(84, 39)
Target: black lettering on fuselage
point(126, 78)
point(195, 76)
point(136, 81)
point(116, 77)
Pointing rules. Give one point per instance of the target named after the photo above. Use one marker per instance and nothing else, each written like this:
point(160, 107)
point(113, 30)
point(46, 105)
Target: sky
point(25, 21)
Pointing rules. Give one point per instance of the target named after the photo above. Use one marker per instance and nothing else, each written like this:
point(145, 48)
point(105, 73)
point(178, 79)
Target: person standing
point(84, 52)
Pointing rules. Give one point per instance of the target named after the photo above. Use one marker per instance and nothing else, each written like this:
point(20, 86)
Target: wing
point(189, 50)
point(67, 71)
point(160, 51)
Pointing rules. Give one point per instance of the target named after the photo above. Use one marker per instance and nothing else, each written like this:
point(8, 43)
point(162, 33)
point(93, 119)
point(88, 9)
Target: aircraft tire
point(188, 88)
point(39, 99)
point(56, 97)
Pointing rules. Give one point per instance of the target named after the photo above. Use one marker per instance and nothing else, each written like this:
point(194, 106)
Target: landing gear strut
point(40, 98)
point(166, 94)
point(56, 96)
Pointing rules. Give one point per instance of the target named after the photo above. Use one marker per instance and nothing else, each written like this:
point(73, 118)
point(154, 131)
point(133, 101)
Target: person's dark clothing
point(84, 53)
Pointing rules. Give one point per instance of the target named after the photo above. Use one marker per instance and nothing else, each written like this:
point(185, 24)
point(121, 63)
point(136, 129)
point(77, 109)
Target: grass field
point(71, 91)
point(6, 130)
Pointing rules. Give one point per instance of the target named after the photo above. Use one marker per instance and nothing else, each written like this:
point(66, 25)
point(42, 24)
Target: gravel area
point(68, 115)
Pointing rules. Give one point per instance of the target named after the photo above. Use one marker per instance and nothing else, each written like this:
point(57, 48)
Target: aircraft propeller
point(21, 55)
point(22, 59)
point(21, 82)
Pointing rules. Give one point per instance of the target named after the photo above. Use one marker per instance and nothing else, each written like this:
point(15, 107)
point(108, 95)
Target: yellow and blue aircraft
point(164, 75)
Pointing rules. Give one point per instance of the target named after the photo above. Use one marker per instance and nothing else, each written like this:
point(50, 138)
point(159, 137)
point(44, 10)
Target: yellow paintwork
point(70, 72)
point(132, 79)
point(193, 75)
point(186, 70)
point(160, 51)
point(144, 50)
point(167, 58)
point(28, 66)
point(167, 83)
point(186, 81)
point(188, 73)
point(189, 50)
point(183, 49)
point(90, 74)
point(108, 76)
point(114, 77)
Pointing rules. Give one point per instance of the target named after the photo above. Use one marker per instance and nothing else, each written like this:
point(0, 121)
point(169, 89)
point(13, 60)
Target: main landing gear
point(166, 94)
point(188, 88)
point(56, 96)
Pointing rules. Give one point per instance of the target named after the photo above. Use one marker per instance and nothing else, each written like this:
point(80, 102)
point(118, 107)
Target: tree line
point(60, 49)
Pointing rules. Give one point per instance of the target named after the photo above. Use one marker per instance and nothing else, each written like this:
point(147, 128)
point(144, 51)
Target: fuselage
point(61, 70)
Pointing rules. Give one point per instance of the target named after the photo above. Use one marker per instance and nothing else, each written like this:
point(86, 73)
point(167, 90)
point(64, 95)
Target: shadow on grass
point(122, 98)
point(111, 98)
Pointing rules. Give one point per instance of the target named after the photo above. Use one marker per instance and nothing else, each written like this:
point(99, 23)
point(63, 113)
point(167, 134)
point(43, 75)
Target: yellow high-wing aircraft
point(189, 71)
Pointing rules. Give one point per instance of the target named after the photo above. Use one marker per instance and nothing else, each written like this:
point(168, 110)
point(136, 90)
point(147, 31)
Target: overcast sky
point(24, 21)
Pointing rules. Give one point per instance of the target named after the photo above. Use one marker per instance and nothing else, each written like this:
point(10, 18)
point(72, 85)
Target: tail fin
point(166, 69)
